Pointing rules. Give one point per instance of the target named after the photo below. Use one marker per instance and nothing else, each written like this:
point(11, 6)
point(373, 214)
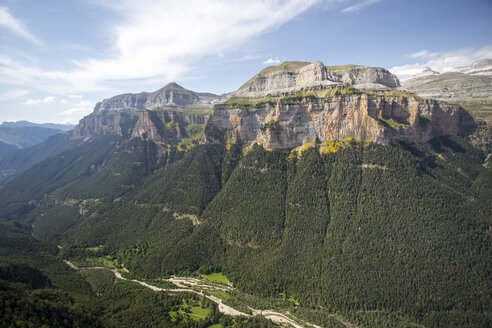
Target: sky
point(59, 58)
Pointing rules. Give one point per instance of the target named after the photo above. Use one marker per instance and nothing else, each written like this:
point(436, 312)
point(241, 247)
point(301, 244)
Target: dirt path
point(184, 285)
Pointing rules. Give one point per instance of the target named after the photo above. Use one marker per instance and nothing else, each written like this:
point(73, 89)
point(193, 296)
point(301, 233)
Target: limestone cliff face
point(165, 125)
point(158, 125)
point(380, 119)
point(172, 95)
point(293, 76)
point(103, 123)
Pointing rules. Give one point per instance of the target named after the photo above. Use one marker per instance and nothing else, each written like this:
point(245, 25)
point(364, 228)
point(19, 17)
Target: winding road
point(184, 286)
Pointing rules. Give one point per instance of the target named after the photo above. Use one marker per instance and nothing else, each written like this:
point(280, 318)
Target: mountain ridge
point(171, 95)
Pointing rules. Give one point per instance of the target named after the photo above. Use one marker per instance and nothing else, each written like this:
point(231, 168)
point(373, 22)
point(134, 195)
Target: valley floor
point(202, 287)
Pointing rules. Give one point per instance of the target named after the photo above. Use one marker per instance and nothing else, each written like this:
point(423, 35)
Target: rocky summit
point(172, 95)
point(290, 77)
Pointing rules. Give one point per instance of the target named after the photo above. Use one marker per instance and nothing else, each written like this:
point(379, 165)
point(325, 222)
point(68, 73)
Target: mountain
point(56, 126)
point(6, 148)
point(24, 134)
point(290, 77)
point(481, 67)
point(342, 206)
point(172, 95)
point(468, 86)
point(468, 83)
point(24, 143)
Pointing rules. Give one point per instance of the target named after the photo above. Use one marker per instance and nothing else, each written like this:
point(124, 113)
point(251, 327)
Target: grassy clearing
point(285, 66)
point(190, 310)
point(217, 277)
point(106, 262)
point(339, 67)
point(391, 123)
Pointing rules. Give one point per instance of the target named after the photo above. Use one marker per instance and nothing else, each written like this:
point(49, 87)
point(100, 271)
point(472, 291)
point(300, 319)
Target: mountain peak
point(172, 85)
point(481, 67)
point(292, 76)
point(171, 95)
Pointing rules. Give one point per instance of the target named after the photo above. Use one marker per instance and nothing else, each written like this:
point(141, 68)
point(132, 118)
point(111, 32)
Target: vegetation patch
point(392, 123)
point(424, 120)
point(217, 277)
point(268, 125)
point(340, 67)
point(285, 66)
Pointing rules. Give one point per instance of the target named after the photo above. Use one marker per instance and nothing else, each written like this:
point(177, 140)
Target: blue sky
point(58, 58)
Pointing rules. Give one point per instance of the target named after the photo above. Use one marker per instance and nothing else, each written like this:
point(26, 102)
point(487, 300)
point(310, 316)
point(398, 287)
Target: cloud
point(424, 54)
point(44, 100)
point(81, 108)
point(271, 61)
point(10, 22)
point(359, 6)
point(160, 40)
point(76, 96)
point(443, 61)
point(12, 94)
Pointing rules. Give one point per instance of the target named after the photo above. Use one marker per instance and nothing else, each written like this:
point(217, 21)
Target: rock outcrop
point(161, 126)
point(106, 122)
point(172, 95)
point(382, 119)
point(290, 77)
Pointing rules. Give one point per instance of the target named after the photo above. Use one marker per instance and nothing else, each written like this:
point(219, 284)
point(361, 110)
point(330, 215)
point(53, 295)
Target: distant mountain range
point(468, 83)
point(24, 134)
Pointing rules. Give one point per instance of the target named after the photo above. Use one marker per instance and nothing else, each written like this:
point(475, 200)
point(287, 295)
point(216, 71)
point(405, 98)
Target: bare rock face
point(163, 126)
point(107, 122)
point(290, 77)
point(160, 126)
point(172, 95)
point(380, 119)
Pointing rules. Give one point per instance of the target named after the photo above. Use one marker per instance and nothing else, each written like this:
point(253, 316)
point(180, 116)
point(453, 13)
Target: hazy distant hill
point(20, 124)
point(24, 134)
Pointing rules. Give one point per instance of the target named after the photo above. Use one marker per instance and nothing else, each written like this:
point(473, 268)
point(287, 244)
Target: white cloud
point(12, 94)
point(424, 54)
point(271, 61)
point(10, 22)
point(160, 40)
point(44, 100)
point(444, 61)
point(81, 108)
point(359, 6)
point(76, 96)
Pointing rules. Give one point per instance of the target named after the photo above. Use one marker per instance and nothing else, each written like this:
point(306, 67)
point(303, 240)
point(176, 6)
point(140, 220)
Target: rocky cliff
point(379, 117)
point(287, 106)
point(161, 126)
point(290, 77)
point(172, 95)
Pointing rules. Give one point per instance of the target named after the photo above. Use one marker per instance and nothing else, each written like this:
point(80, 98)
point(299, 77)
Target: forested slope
point(356, 226)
